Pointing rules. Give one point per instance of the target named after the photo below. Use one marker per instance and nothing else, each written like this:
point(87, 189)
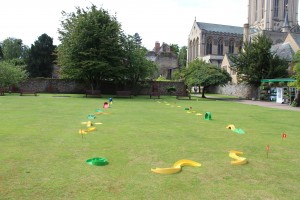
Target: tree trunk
point(297, 99)
point(203, 90)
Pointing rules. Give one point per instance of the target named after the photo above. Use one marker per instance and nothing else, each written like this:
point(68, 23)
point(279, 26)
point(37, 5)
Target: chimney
point(157, 47)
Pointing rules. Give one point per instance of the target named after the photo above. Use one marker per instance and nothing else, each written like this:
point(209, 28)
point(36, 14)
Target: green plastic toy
point(91, 117)
point(97, 161)
point(207, 116)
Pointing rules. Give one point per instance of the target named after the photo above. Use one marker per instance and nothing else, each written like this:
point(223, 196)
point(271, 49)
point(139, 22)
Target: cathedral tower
point(271, 15)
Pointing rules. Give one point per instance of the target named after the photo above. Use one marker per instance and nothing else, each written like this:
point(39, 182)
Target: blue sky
point(167, 21)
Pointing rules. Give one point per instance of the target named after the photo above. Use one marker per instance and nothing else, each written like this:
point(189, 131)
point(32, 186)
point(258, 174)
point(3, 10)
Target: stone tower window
point(220, 47)
point(276, 3)
point(209, 46)
point(284, 7)
point(231, 46)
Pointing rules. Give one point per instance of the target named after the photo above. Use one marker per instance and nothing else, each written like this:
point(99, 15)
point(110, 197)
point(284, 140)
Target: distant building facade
point(165, 59)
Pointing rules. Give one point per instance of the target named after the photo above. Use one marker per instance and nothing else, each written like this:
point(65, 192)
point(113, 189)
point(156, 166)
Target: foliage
point(1, 53)
point(174, 48)
point(162, 78)
point(257, 62)
point(296, 69)
point(41, 57)
point(10, 74)
point(135, 66)
point(182, 57)
point(13, 48)
point(90, 47)
point(199, 73)
point(171, 89)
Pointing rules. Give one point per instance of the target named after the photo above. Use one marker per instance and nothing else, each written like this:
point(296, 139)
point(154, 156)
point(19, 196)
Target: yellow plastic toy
point(231, 127)
point(176, 167)
point(83, 132)
point(89, 123)
point(238, 160)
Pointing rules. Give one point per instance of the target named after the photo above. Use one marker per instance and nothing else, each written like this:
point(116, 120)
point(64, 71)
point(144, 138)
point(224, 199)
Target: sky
point(168, 21)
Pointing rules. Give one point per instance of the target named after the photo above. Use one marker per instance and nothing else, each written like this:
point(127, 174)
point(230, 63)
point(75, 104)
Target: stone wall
point(239, 90)
point(46, 85)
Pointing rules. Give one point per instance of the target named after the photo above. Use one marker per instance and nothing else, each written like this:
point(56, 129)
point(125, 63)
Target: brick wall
point(46, 85)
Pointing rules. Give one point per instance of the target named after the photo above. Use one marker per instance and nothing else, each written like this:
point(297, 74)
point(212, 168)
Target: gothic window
point(255, 10)
point(284, 7)
point(209, 46)
point(262, 8)
point(231, 46)
point(220, 47)
point(276, 2)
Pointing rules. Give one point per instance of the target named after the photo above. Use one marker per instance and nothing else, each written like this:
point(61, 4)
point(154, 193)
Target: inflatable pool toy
point(84, 132)
point(176, 167)
point(238, 160)
point(207, 116)
point(97, 161)
point(91, 116)
point(105, 105)
point(89, 123)
point(237, 130)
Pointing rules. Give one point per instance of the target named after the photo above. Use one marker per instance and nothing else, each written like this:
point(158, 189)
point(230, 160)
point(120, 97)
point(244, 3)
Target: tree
point(135, 66)
point(1, 53)
point(13, 48)
point(11, 74)
point(257, 62)
point(174, 48)
point(41, 57)
point(296, 69)
point(199, 73)
point(137, 39)
point(182, 57)
point(90, 47)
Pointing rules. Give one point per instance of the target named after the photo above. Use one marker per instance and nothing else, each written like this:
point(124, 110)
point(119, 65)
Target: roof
point(283, 50)
point(220, 28)
point(296, 38)
point(278, 80)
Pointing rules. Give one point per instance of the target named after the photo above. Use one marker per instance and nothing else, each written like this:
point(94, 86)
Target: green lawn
point(43, 156)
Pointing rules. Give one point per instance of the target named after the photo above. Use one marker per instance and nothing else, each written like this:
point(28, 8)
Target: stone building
point(211, 42)
point(277, 19)
point(165, 59)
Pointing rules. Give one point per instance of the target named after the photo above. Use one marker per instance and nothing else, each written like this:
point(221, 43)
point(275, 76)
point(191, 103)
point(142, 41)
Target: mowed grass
point(43, 155)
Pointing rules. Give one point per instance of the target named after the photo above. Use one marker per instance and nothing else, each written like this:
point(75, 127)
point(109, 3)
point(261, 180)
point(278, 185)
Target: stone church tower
point(273, 15)
point(275, 18)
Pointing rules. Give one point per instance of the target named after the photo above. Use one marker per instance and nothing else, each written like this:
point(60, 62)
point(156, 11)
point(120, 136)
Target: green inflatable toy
point(207, 116)
point(97, 161)
point(91, 117)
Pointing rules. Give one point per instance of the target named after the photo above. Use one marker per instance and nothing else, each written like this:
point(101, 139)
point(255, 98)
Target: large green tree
point(41, 57)
point(1, 53)
point(10, 74)
point(296, 75)
point(199, 73)
point(174, 48)
point(13, 48)
point(135, 66)
point(90, 47)
point(257, 62)
point(182, 57)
